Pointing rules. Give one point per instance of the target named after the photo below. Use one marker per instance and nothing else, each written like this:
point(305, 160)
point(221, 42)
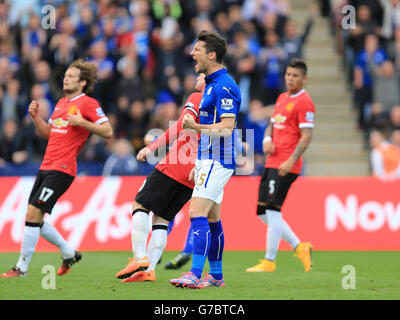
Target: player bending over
point(164, 192)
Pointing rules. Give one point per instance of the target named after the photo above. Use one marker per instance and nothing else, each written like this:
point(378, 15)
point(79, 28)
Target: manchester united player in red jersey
point(75, 116)
point(164, 192)
point(284, 143)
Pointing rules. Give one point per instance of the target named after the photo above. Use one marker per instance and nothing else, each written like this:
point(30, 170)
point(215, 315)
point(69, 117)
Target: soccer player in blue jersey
point(215, 163)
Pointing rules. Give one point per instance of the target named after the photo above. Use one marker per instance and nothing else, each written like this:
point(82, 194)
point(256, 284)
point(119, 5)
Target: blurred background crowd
point(371, 57)
point(141, 48)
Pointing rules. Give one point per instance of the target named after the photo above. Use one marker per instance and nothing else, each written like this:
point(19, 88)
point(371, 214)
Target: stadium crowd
point(371, 56)
point(145, 72)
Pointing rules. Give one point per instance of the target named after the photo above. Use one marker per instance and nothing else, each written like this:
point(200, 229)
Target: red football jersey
point(181, 157)
point(292, 112)
point(65, 141)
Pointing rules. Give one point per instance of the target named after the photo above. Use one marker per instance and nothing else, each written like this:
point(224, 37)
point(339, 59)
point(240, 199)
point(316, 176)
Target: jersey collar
point(214, 75)
point(297, 94)
point(76, 97)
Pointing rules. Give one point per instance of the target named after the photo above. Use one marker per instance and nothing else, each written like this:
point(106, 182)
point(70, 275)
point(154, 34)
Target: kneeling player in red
point(75, 116)
point(285, 140)
point(164, 192)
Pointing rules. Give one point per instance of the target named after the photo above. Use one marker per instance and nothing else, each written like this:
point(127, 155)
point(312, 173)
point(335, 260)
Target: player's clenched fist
point(268, 147)
point(33, 108)
point(188, 122)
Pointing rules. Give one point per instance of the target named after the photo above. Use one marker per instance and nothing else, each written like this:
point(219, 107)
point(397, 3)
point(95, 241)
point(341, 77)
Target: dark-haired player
point(285, 140)
point(215, 162)
point(75, 116)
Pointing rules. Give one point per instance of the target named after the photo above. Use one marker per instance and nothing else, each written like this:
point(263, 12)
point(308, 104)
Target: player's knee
point(138, 207)
point(273, 206)
point(34, 215)
point(261, 207)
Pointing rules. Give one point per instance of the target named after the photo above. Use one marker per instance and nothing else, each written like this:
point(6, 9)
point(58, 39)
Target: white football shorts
point(210, 177)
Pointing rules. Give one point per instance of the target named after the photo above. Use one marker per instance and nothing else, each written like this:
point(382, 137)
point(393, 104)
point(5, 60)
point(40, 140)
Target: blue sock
point(201, 244)
point(170, 226)
point(216, 249)
point(189, 242)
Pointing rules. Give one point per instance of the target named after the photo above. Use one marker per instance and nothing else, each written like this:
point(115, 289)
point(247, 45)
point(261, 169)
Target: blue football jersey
point(221, 99)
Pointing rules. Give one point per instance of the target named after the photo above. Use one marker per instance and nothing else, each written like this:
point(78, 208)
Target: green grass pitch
point(377, 276)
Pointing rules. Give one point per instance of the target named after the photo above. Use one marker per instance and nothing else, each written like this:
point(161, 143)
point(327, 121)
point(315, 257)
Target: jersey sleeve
point(192, 105)
point(94, 113)
point(171, 134)
point(305, 114)
point(228, 102)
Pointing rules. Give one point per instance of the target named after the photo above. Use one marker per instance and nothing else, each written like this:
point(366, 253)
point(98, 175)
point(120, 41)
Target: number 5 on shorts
point(46, 194)
point(271, 186)
point(201, 179)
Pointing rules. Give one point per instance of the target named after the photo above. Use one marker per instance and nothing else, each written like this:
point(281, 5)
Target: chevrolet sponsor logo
point(60, 123)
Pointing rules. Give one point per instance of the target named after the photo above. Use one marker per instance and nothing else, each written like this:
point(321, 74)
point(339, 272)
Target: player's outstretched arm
point(43, 128)
point(103, 130)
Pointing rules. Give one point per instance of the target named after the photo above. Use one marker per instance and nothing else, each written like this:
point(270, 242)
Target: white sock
point(157, 243)
point(287, 233)
point(140, 232)
point(50, 233)
point(289, 236)
point(274, 233)
point(29, 241)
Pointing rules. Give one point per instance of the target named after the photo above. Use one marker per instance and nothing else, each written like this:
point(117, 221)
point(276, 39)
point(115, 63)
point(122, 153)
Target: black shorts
point(49, 186)
point(273, 187)
point(163, 195)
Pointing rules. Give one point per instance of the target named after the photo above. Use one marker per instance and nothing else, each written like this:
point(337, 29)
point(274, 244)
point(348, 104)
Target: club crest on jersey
point(227, 104)
point(72, 109)
point(290, 106)
point(209, 90)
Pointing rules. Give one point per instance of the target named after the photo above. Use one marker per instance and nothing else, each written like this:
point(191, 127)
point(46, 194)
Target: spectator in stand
point(12, 145)
point(395, 118)
point(362, 78)
point(14, 102)
point(378, 117)
point(271, 65)
point(168, 62)
point(395, 138)
point(129, 83)
point(105, 74)
point(385, 157)
point(391, 18)
point(121, 162)
point(293, 42)
point(242, 66)
point(139, 124)
point(385, 79)
point(257, 120)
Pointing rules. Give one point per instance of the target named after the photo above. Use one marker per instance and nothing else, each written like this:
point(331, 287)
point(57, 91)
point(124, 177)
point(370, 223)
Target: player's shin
point(274, 233)
point(140, 232)
point(201, 244)
point(216, 249)
point(157, 243)
point(29, 241)
point(48, 232)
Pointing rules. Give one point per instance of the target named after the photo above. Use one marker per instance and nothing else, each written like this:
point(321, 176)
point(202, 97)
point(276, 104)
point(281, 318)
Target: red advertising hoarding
point(332, 213)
